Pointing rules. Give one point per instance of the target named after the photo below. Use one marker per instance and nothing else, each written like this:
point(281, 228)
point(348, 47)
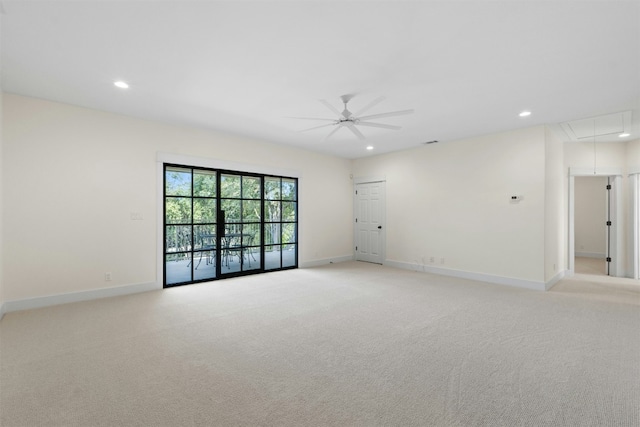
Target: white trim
point(555, 279)
point(206, 162)
point(634, 170)
point(616, 267)
point(160, 222)
point(46, 301)
point(634, 188)
point(481, 277)
point(591, 255)
point(368, 179)
point(600, 171)
point(325, 261)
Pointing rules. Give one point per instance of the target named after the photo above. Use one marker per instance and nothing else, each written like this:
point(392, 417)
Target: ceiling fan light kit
point(352, 120)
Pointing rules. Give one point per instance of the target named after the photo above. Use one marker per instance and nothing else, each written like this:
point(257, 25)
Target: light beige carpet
point(349, 344)
point(592, 266)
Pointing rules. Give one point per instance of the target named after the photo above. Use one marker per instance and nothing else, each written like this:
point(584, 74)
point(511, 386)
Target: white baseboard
point(555, 279)
point(591, 255)
point(49, 300)
point(500, 280)
point(325, 261)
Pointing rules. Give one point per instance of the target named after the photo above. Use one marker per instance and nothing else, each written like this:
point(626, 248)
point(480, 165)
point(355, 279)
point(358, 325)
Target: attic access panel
point(601, 126)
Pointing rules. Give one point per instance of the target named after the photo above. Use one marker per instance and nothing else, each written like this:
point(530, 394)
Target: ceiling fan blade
point(390, 114)
point(331, 107)
point(355, 131)
point(379, 125)
point(318, 127)
point(311, 118)
point(370, 105)
point(332, 132)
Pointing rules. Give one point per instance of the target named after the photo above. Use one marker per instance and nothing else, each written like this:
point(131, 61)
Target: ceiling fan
point(351, 120)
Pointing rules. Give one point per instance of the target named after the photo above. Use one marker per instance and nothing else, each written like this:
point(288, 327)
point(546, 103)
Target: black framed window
point(221, 223)
point(280, 222)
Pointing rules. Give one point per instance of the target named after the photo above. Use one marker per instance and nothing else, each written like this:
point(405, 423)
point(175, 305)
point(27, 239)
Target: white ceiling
point(467, 68)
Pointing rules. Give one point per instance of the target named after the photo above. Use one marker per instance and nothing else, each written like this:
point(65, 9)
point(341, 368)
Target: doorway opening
point(221, 223)
point(592, 213)
point(595, 222)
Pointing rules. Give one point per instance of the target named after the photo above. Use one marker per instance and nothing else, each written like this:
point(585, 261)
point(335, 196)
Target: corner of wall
point(1, 193)
point(555, 246)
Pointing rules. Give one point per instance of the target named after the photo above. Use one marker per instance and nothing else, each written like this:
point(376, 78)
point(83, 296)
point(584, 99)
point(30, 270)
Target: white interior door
point(369, 221)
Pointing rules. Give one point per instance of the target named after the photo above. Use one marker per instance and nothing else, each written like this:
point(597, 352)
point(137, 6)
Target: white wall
point(590, 216)
point(452, 200)
point(633, 154)
point(1, 185)
point(77, 174)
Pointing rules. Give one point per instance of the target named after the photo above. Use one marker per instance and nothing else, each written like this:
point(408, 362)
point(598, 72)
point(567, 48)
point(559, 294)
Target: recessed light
point(121, 84)
point(370, 147)
point(623, 135)
point(525, 114)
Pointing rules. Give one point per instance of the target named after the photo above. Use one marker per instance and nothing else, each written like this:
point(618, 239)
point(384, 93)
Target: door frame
point(634, 188)
point(617, 264)
point(383, 238)
point(208, 163)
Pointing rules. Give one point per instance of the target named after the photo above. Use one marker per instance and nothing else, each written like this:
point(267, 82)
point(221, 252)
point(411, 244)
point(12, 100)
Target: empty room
point(319, 213)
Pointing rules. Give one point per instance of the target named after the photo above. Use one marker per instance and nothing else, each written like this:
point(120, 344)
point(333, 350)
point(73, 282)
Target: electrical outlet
point(432, 259)
point(107, 277)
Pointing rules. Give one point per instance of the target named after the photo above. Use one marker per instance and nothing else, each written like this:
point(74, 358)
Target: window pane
point(205, 236)
point(272, 211)
point(288, 189)
point(288, 255)
point(251, 210)
point(289, 211)
point(204, 184)
point(231, 210)
point(272, 257)
point(177, 238)
point(178, 210)
point(272, 188)
point(251, 259)
point(177, 268)
point(251, 235)
point(230, 186)
point(288, 233)
point(250, 187)
point(271, 234)
point(204, 210)
point(204, 265)
point(177, 181)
